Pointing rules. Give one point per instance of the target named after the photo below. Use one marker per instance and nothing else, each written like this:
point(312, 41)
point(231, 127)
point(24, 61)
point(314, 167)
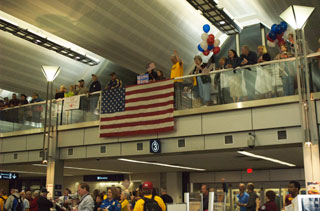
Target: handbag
point(205, 79)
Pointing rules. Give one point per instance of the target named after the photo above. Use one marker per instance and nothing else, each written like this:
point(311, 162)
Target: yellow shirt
point(140, 203)
point(2, 202)
point(125, 205)
point(177, 71)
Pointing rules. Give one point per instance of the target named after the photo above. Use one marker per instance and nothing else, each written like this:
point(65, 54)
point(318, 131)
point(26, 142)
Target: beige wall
point(5, 185)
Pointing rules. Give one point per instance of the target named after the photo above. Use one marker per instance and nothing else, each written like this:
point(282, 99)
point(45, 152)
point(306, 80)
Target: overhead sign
point(155, 146)
point(104, 178)
point(8, 176)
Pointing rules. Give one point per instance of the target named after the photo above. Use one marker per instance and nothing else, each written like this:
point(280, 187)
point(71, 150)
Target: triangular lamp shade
point(296, 16)
point(50, 72)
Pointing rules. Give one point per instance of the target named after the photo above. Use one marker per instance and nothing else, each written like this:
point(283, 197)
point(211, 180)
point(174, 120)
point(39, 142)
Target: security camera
point(251, 140)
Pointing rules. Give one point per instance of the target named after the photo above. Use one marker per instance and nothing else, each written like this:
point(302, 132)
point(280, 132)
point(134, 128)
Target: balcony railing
point(266, 80)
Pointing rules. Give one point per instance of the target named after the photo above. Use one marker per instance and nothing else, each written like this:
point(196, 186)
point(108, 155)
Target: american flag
point(136, 110)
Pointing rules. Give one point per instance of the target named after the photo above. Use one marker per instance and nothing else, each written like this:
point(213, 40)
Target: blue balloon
point(278, 29)
point(210, 47)
point(273, 28)
point(200, 49)
point(272, 35)
point(206, 28)
point(284, 25)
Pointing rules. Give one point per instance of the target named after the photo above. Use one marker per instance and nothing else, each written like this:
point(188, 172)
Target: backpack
point(4, 202)
point(17, 204)
point(151, 205)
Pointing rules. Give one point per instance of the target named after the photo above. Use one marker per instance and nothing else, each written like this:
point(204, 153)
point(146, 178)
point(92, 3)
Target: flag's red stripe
point(129, 116)
point(138, 132)
point(149, 97)
point(157, 88)
point(132, 124)
point(149, 106)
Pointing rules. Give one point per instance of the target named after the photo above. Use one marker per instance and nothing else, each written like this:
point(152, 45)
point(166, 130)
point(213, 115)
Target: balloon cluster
point(209, 43)
point(276, 33)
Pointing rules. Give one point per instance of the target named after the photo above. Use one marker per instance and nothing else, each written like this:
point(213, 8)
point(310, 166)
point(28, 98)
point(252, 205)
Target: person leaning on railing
point(264, 74)
point(286, 75)
point(95, 86)
point(249, 57)
point(177, 71)
point(36, 109)
point(235, 81)
point(114, 82)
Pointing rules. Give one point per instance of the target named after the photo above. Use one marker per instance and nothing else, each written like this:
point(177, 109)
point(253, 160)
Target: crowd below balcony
point(236, 86)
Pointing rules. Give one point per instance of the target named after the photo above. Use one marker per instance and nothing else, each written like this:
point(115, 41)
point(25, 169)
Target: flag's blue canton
point(113, 100)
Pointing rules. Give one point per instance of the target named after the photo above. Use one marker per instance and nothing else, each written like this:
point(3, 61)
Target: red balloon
point(206, 52)
point(216, 50)
point(269, 38)
point(281, 42)
point(279, 36)
point(210, 39)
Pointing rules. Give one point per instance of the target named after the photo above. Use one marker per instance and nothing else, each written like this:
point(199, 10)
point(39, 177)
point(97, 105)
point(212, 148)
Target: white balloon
point(216, 43)
point(271, 44)
point(204, 36)
point(204, 45)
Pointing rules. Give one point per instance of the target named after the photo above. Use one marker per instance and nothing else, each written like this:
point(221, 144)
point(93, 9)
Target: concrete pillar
point(238, 43)
point(174, 186)
point(55, 168)
point(311, 163)
point(263, 35)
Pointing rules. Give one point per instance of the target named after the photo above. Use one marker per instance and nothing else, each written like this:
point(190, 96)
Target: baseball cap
point(147, 186)
point(81, 80)
point(93, 75)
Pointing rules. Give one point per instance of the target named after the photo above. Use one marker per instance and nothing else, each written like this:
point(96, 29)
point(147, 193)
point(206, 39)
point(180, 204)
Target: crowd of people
point(249, 84)
point(249, 200)
point(145, 197)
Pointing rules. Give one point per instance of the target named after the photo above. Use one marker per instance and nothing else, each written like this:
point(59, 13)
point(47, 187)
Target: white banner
point(71, 103)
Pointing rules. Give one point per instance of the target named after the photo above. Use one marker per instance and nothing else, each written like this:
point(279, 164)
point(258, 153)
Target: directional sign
point(111, 177)
point(9, 176)
point(155, 146)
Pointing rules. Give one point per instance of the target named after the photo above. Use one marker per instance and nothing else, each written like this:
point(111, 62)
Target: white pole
point(187, 200)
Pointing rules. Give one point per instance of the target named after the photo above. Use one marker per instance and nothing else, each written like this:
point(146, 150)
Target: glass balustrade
point(272, 79)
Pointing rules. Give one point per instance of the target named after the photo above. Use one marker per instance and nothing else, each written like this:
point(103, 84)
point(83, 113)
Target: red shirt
point(34, 205)
point(269, 206)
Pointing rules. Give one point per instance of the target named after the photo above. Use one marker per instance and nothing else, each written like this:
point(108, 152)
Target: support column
point(307, 111)
point(174, 186)
point(311, 163)
point(55, 168)
point(263, 35)
point(238, 43)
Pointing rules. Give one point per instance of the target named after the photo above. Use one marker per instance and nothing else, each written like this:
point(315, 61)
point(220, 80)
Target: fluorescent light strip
point(160, 164)
point(87, 169)
point(29, 172)
point(249, 154)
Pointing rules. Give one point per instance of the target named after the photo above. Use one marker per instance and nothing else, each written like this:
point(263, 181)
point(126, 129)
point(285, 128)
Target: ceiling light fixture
point(43, 41)
point(160, 164)
point(249, 154)
point(87, 169)
point(296, 16)
point(215, 14)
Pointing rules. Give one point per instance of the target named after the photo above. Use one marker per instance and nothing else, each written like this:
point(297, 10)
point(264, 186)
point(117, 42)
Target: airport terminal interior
point(178, 105)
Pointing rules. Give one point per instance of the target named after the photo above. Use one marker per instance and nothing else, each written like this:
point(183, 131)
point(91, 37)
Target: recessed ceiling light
point(222, 22)
point(161, 164)
point(249, 154)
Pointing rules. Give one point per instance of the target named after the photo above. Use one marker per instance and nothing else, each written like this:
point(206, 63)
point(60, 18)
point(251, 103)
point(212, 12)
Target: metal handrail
point(242, 68)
